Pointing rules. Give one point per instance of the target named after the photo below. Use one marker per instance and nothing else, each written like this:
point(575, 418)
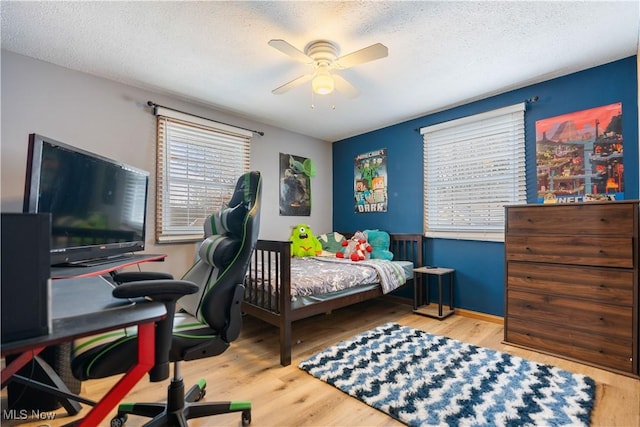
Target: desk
point(83, 307)
point(424, 308)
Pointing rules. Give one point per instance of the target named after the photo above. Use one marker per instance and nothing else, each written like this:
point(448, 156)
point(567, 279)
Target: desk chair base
point(181, 407)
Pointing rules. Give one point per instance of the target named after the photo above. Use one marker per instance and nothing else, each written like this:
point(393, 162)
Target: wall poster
point(579, 156)
point(295, 185)
point(370, 181)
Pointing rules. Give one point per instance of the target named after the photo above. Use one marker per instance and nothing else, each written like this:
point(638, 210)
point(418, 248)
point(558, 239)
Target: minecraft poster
point(295, 185)
point(579, 156)
point(370, 181)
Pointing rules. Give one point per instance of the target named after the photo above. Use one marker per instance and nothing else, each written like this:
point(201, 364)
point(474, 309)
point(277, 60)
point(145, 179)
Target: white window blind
point(473, 167)
point(133, 209)
point(199, 162)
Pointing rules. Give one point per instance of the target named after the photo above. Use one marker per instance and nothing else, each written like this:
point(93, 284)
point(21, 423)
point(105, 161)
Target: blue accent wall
point(479, 265)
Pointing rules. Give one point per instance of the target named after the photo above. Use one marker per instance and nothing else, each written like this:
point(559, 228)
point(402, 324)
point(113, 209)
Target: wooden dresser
point(571, 282)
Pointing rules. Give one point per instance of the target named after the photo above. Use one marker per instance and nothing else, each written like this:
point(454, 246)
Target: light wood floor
point(287, 396)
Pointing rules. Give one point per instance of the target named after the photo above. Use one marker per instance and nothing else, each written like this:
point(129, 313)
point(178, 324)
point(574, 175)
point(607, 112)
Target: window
point(199, 162)
point(473, 166)
point(133, 209)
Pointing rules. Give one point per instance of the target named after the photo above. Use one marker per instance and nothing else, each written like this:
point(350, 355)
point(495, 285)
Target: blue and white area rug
point(423, 380)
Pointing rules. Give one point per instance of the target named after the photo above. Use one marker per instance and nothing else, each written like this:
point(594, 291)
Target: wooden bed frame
point(276, 310)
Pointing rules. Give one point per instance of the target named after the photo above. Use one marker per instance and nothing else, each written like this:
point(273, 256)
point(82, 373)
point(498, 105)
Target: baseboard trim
point(480, 316)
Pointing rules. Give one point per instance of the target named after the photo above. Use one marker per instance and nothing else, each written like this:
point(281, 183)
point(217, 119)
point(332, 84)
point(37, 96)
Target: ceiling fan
point(322, 55)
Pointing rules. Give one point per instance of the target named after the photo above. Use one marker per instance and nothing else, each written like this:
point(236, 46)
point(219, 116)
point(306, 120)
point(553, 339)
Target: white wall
point(113, 120)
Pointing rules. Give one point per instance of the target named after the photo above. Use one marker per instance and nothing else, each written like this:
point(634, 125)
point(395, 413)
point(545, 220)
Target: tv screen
point(98, 205)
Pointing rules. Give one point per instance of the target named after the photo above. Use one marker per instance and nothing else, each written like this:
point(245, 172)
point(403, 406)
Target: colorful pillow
point(380, 241)
point(331, 242)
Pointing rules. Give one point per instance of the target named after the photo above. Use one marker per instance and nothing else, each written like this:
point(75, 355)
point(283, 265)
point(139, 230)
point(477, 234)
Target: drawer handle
point(602, 285)
point(528, 249)
point(602, 251)
point(603, 219)
point(602, 319)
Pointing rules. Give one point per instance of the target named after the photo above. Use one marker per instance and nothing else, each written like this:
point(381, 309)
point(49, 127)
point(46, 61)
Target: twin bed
point(281, 289)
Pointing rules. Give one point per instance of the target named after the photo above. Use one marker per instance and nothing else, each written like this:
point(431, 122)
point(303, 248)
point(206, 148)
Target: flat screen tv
point(98, 206)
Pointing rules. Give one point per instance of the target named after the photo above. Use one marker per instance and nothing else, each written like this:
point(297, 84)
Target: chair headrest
point(231, 219)
point(246, 190)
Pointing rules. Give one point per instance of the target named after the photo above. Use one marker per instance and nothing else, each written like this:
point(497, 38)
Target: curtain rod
point(154, 105)
point(527, 101)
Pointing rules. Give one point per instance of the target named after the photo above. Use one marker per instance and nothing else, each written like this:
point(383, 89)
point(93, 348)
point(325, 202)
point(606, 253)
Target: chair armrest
point(157, 290)
point(135, 276)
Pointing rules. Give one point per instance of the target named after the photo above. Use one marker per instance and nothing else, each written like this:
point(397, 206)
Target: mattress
point(317, 279)
point(304, 300)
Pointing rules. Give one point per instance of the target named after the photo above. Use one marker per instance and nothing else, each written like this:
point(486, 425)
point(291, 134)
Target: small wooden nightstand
point(421, 300)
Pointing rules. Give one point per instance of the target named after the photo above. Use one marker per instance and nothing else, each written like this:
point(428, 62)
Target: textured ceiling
point(441, 53)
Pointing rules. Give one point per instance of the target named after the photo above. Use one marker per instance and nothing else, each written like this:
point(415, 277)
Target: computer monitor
point(98, 205)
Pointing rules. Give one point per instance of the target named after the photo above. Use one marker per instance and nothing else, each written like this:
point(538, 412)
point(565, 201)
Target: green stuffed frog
point(303, 242)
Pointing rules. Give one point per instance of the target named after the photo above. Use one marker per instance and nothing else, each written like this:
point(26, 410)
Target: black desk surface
point(85, 306)
point(107, 267)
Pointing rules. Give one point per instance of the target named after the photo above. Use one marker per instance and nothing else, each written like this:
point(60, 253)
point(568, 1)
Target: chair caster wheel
point(118, 420)
point(203, 393)
point(246, 418)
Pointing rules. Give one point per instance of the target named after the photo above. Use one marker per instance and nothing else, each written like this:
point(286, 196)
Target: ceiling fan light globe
point(322, 84)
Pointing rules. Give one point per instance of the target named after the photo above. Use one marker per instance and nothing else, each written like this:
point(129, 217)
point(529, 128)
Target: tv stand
point(102, 266)
point(96, 261)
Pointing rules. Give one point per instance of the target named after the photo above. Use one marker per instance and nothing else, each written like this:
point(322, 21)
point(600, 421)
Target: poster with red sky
point(581, 154)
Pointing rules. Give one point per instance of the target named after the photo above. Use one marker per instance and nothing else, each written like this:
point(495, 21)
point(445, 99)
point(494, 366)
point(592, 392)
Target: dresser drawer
point(615, 286)
point(576, 219)
point(600, 349)
point(580, 250)
point(588, 316)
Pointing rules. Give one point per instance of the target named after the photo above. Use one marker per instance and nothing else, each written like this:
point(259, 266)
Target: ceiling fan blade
point(344, 86)
point(290, 50)
point(293, 83)
point(367, 54)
